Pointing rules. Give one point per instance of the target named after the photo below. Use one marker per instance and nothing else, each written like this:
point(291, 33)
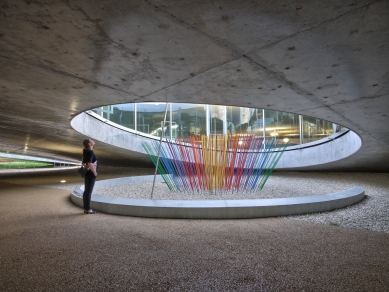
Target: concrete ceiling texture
point(326, 59)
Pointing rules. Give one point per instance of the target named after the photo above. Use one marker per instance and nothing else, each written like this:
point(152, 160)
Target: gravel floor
point(49, 244)
point(371, 214)
point(279, 185)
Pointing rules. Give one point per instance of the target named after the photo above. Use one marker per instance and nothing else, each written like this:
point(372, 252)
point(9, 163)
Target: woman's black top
point(89, 156)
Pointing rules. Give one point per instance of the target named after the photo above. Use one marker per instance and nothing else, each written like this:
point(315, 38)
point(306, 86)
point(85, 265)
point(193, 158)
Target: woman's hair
point(86, 142)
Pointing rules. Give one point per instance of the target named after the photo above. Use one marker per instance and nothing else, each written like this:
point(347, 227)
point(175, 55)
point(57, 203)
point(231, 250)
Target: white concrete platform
point(214, 209)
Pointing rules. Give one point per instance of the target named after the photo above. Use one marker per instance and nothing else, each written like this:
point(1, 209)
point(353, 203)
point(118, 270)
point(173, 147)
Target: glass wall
point(122, 114)
point(282, 125)
point(188, 120)
point(149, 118)
point(105, 111)
point(184, 120)
point(125, 115)
point(315, 129)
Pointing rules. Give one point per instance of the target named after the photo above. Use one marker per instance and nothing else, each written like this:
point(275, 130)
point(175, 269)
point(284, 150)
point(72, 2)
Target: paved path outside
point(48, 244)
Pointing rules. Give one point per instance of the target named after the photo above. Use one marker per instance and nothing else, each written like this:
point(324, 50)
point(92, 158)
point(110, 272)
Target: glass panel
point(233, 119)
point(255, 126)
point(150, 119)
point(238, 120)
point(188, 120)
point(124, 115)
point(315, 129)
point(282, 125)
point(310, 129)
point(216, 119)
point(288, 127)
point(326, 129)
point(272, 124)
point(104, 111)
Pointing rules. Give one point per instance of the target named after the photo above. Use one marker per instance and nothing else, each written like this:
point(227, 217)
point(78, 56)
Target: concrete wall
point(335, 147)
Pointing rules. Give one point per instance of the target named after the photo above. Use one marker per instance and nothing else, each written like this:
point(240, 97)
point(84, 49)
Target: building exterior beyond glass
point(184, 120)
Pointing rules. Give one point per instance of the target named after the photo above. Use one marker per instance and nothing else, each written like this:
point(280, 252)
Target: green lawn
point(23, 164)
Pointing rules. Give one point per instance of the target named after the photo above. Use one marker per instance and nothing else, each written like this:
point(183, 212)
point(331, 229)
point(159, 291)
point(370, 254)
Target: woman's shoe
point(91, 212)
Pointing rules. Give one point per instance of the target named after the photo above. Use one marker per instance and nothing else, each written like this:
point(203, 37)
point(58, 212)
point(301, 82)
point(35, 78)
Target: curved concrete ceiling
point(327, 59)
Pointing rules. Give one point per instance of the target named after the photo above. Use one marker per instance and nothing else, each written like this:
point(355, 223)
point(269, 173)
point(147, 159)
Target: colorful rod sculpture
point(218, 162)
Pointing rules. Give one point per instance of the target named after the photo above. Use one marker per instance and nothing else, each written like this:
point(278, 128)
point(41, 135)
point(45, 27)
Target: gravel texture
point(372, 213)
point(49, 244)
point(279, 185)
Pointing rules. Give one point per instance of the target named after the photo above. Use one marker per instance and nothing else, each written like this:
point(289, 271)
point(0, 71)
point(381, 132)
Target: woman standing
point(89, 161)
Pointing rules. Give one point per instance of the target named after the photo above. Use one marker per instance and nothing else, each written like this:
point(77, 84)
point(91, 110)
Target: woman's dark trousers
point(89, 184)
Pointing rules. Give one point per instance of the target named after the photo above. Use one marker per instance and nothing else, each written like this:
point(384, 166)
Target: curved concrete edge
point(330, 149)
point(333, 150)
point(218, 209)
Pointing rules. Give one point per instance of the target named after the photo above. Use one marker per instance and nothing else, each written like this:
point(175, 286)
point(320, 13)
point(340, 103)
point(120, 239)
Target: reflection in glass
point(124, 114)
point(239, 120)
point(188, 120)
point(290, 128)
point(149, 119)
point(233, 119)
point(256, 122)
point(185, 120)
point(217, 113)
point(282, 125)
point(104, 111)
point(315, 129)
